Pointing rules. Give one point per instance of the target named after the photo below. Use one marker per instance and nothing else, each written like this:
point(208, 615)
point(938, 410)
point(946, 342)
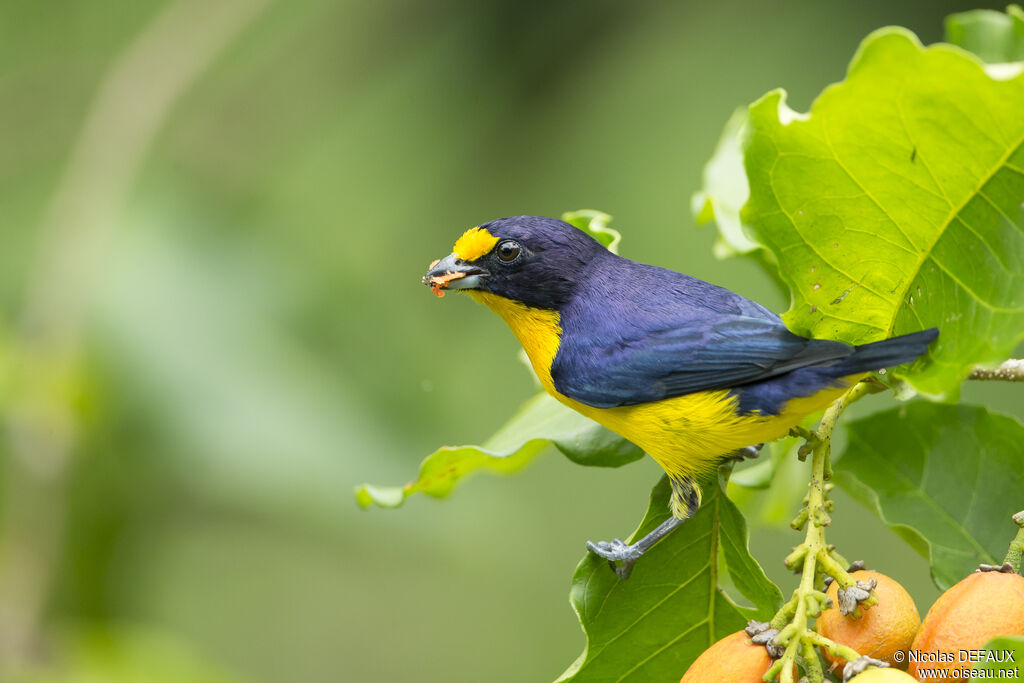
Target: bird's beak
point(452, 272)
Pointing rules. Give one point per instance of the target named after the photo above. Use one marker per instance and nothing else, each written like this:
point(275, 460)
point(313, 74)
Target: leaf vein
point(984, 241)
point(662, 649)
point(913, 142)
point(648, 611)
point(955, 211)
point(917, 492)
point(985, 304)
point(828, 141)
point(1001, 211)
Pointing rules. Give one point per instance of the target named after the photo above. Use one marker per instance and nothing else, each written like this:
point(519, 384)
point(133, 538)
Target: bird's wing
point(701, 353)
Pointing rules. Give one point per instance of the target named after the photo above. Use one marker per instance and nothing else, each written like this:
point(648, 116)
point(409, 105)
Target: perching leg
point(684, 504)
point(622, 556)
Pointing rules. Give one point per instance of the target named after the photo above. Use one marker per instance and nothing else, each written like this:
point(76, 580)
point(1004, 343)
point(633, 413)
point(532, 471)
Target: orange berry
point(882, 629)
point(968, 615)
point(733, 658)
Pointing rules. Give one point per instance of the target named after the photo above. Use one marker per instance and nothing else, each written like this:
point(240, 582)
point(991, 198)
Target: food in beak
point(439, 282)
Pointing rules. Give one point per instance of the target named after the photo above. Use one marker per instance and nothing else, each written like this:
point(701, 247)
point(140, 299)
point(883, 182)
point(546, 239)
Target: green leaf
point(724, 194)
point(595, 223)
point(653, 625)
point(1006, 648)
point(542, 421)
point(996, 37)
point(946, 478)
point(725, 191)
point(895, 205)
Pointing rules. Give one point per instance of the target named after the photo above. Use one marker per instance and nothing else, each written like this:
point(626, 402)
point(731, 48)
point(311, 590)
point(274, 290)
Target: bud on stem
point(1013, 555)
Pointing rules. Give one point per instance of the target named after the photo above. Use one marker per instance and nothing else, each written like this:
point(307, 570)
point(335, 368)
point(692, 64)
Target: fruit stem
point(785, 613)
point(836, 570)
point(814, 557)
point(834, 648)
point(1013, 555)
point(811, 663)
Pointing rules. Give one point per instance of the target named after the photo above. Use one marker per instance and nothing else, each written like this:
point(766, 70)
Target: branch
point(789, 634)
point(1011, 370)
point(815, 560)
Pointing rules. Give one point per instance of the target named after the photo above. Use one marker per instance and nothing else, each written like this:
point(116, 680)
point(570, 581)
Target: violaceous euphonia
point(690, 372)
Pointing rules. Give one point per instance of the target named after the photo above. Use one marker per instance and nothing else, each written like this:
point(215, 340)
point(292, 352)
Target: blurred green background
point(214, 217)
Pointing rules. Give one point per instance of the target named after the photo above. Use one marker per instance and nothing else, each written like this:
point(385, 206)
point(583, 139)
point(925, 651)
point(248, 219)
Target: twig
point(815, 559)
point(1011, 370)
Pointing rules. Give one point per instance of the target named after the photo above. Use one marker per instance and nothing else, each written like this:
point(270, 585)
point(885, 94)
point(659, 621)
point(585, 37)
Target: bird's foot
point(747, 453)
point(620, 555)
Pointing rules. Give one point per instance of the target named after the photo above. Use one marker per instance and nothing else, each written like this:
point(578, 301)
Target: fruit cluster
point(984, 605)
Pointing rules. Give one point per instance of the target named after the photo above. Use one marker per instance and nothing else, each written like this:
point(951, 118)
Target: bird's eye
point(509, 250)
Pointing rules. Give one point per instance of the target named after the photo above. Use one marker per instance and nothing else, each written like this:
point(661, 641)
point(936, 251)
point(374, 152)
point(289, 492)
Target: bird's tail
point(887, 353)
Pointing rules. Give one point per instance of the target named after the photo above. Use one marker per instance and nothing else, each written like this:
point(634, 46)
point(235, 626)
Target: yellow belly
point(687, 435)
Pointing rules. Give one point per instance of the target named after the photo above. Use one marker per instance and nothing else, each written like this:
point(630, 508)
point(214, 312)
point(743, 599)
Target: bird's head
point(532, 260)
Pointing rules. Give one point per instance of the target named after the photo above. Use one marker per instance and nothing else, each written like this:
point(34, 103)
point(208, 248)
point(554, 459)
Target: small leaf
point(542, 421)
point(595, 224)
point(726, 191)
point(945, 478)
point(651, 626)
point(896, 205)
point(1009, 649)
point(996, 37)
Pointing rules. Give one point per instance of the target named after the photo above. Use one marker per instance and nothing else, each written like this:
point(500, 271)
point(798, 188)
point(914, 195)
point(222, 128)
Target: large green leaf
point(996, 37)
point(653, 625)
point(542, 421)
point(946, 478)
point(896, 204)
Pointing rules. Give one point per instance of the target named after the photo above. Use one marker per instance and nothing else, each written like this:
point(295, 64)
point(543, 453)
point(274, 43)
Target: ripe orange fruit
point(733, 658)
point(968, 615)
point(881, 631)
point(877, 675)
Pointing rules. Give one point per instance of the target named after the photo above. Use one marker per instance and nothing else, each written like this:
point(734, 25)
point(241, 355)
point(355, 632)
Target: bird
point(690, 372)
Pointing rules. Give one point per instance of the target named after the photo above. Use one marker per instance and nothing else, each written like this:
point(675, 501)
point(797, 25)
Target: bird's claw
point(747, 453)
point(620, 555)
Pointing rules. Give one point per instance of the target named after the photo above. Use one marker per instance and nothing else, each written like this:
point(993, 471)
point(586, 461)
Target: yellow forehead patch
point(474, 243)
